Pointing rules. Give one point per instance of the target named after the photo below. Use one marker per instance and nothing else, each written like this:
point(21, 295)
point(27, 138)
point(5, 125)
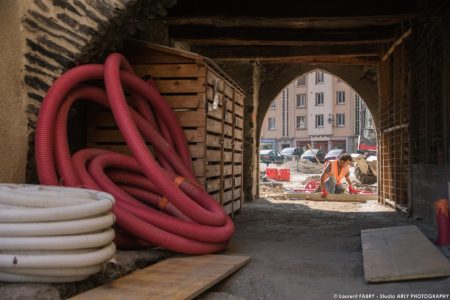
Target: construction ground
point(218, 66)
point(299, 249)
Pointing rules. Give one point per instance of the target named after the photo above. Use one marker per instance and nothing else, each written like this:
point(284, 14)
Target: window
point(301, 122)
point(272, 104)
point(319, 98)
point(340, 120)
point(271, 123)
point(301, 80)
point(340, 97)
point(319, 120)
point(319, 77)
point(301, 100)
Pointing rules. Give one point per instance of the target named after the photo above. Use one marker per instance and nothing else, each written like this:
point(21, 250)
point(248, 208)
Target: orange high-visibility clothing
point(335, 169)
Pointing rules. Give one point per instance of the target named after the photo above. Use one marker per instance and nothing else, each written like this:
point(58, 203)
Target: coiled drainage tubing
point(158, 201)
point(53, 234)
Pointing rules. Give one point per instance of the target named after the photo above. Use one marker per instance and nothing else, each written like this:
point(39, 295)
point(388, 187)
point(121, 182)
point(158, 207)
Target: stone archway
point(263, 82)
point(361, 78)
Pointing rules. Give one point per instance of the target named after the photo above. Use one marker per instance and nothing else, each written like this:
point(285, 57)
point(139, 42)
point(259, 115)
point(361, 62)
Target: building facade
point(316, 109)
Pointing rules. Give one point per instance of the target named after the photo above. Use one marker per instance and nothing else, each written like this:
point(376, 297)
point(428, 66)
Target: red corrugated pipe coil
point(158, 201)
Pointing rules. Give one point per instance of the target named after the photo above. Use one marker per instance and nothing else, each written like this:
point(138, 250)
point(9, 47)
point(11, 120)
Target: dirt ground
point(312, 250)
point(299, 250)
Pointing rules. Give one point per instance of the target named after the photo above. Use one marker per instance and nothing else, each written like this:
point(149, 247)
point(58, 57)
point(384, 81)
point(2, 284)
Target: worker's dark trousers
point(332, 187)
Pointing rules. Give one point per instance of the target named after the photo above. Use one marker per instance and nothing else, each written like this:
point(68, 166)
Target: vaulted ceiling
point(290, 31)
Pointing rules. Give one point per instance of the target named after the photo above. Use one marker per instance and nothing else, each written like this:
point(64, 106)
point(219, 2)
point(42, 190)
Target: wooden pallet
point(174, 278)
point(209, 106)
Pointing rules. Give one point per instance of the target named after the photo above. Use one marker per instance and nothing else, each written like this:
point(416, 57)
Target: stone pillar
point(13, 120)
point(251, 139)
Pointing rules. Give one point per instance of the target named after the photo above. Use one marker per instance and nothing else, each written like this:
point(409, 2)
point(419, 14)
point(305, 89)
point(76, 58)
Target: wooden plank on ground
point(173, 278)
point(400, 253)
point(318, 197)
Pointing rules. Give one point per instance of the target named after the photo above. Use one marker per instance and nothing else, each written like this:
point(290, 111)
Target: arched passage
point(262, 82)
point(362, 79)
point(293, 111)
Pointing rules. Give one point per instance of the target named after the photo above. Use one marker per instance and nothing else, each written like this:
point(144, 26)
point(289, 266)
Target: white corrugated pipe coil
point(54, 234)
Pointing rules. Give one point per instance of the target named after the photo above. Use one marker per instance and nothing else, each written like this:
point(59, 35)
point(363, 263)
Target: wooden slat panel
point(180, 86)
point(210, 95)
point(199, 167)
point(237, 169)
point(114, 135)
point(237, 193)
point(191, 118)
point(213, 125)
point(237, 181)
point(173, 278)
point(213, 155)
point(228, 91)
point(229, 104)
point(239, 111)
point(212, 78)
point(227, 156)
point(227, 130)
point(212, 170)
point(400, 253)
point(195, 135)
point(215, 113)
point(167, 70)
point(238, 122)
point(197, 150)
point(227, 183)
point(237, 145)
point(238, 133)
point(228, 117)
point(186, 101)
point(232, 206)
point(228, 144)
point(227, 196)
point(213, 185)
point(214, 140)
point(227, 170)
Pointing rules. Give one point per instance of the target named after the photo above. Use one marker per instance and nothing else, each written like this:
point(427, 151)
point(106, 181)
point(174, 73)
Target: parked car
point(271, 157)
point(334, 154)
point(309, 155)
point(292, 152)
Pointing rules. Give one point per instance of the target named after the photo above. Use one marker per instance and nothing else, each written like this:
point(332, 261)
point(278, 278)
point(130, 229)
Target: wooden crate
point(210, 107)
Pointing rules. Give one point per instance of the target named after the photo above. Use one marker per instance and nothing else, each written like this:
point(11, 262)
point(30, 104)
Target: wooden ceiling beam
point(203, 35)
point(311, 60)
point(290, 23)
point(290, 8)
point(263, 52)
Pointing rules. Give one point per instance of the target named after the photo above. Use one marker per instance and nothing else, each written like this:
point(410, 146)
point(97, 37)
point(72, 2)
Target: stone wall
point(45, 38)
point(13, 125)
point(430, 108)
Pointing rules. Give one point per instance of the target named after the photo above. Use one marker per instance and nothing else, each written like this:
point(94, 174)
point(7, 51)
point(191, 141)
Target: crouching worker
point(334, 171)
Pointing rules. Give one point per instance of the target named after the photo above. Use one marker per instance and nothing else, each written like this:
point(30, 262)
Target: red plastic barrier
point(284, 174)
point(272, 173)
